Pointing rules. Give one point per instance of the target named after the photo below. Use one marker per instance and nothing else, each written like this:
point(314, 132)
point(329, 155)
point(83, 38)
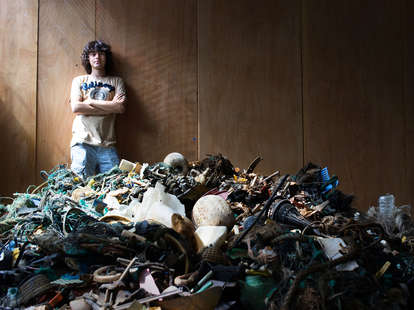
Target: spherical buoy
point(212, 210)
point(177, 161)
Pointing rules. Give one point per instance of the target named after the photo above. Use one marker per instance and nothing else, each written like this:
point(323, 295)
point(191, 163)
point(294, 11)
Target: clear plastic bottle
point(386, 209)
point(12, 296)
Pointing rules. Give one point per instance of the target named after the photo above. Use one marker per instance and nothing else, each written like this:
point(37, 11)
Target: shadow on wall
point(17, 137)
point(134, 122)
point(54, 133)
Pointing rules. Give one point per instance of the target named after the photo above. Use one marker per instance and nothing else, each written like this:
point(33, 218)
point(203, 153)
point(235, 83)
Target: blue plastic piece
point(68, 276)
point(326, 179)
point(325, 174)
point(11, 245)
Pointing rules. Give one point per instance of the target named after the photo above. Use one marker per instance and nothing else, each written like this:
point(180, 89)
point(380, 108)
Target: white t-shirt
point(94, 129)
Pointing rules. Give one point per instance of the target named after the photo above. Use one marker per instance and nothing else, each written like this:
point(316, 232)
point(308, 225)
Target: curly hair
point(96, 46)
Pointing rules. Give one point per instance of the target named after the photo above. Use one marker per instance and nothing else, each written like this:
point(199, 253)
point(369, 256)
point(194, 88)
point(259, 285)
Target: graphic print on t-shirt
point(100, 90)
point(99, 94)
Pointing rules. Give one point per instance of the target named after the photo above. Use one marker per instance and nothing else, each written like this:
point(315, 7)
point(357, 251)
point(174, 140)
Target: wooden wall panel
point(221, 76)
point(354, 114)
point(64, 29)
point(18, 53)
point(250, 82)
point(407, 196)
point(154, 45)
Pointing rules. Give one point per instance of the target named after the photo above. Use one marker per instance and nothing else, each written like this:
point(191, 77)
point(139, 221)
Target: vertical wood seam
point(301, 23)
point(94, 30)
point(404, 46)
point(198, 77)
point(36, 138)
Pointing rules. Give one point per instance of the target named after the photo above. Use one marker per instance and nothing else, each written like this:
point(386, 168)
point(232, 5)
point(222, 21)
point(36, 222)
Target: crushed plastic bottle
point(386, 210)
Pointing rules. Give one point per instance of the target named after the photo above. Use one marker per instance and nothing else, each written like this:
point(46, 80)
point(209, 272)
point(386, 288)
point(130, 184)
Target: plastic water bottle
point(386, 208)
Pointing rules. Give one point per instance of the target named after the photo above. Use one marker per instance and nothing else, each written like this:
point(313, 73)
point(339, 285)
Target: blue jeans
point(89, 160)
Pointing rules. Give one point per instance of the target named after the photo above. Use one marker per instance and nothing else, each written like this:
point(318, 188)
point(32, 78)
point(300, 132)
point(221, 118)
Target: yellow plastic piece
point(91, 182)
point(16, 253)
point(383, 269)
point(239, 179)
point(264, 273)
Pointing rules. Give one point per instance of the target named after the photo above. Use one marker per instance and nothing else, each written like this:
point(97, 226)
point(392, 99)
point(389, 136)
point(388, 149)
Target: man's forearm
point(84, 108)
point(109, 107)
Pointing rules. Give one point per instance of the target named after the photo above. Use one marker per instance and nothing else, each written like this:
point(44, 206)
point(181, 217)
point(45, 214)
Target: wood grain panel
point(64, 29)
point(407, 196)
point(154, 45)
point(250, 82)
point(353, 101)
point(18, 52)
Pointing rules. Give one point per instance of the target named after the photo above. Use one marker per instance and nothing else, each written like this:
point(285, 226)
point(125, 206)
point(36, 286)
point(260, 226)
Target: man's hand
point(116, 105)
point(83, 107)
point(119, 98)
point(99, 107)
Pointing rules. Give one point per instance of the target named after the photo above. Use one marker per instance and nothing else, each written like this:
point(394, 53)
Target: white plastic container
point(210, 235)
point(159, 206)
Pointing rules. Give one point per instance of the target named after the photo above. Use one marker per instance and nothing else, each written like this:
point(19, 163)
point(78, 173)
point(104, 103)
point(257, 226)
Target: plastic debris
point(202, 235)
point(159, 206)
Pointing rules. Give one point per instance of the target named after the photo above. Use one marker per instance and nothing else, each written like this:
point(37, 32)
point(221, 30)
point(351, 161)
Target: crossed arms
point(98, 107)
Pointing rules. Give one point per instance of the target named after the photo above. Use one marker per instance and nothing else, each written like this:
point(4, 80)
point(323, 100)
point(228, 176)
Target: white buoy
point(212, 210)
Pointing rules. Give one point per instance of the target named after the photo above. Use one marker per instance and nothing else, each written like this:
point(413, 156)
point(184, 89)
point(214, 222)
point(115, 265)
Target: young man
point(96, 98)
